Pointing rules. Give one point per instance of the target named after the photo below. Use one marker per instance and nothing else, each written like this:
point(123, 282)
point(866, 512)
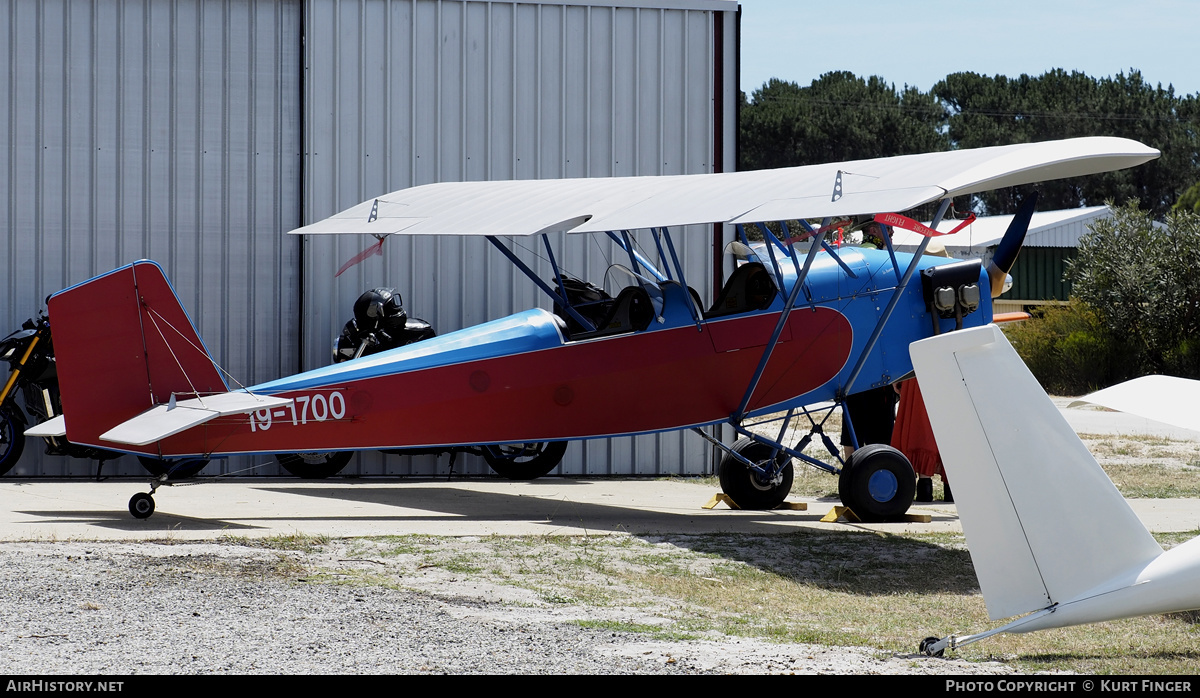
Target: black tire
point(927, 644)
point(12, 440)
point(525, 461)
point(314, 466)
point(878, 483)
point(747, 488)
point(177, 469)
point(141, 505)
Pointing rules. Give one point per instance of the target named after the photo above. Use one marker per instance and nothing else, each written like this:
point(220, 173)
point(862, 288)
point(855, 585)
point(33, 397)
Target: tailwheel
point(877, 483)
point(926, 647)
point(525, 461)
point(314, 466)
point(141, 505)
point(750, 489)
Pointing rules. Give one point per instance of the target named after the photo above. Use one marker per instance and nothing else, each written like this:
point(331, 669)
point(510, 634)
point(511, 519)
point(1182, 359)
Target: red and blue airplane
point(797, 323)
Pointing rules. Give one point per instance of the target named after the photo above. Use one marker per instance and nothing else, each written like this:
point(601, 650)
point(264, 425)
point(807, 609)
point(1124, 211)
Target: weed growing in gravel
point(299, 542)
point(655, 631)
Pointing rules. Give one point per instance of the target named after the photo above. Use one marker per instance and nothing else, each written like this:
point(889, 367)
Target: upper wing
point(529, 207)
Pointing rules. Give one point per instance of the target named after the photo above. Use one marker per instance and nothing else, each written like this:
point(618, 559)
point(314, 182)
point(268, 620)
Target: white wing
point(529, 207)
point(1166, 399)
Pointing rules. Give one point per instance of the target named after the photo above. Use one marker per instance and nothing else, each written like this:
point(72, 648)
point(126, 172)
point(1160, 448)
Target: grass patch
point(817, 587)
point(617, 626)
point(1154, 481)
point(1172, 538)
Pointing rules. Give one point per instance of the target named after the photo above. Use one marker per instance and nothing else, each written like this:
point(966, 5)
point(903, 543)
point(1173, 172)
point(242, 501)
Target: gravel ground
point(224, 608)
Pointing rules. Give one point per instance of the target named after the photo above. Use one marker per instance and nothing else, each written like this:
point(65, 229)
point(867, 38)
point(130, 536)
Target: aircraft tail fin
point(124, 345)
point(1042, 520)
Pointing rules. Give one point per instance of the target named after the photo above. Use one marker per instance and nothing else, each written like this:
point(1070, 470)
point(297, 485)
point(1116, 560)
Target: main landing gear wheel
point(749, 489)
point(525, 461)
point(314, 466)
point(141, 505)
point(12, 440)
point(927, 645)
point(878, 483)
point(175, 469)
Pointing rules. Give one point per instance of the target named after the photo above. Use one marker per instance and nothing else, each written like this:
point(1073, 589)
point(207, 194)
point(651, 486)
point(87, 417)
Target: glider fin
point(1043, 522)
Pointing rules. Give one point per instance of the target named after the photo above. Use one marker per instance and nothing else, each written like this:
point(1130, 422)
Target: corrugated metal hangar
point(198, 132)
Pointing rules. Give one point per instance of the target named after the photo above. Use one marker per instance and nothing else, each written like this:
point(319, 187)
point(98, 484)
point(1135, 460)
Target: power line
point(942, 107)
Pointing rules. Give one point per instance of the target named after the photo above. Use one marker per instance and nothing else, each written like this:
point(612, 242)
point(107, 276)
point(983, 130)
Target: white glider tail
point(1047, 530)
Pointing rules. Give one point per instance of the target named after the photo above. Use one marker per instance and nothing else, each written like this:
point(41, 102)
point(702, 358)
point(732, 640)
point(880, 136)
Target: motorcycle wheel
point(524, 461)
point(12, 440)
point(314, 466)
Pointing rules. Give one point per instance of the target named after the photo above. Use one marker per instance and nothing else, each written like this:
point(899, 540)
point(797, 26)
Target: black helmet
point(377, 307)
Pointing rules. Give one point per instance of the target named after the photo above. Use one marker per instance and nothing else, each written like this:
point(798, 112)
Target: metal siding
point(429, 90)
point(1038, 275)
point(165, 130)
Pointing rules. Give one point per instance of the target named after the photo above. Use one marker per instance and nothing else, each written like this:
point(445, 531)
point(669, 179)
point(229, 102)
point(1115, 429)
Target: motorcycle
point(33, 374)
point(380, 323)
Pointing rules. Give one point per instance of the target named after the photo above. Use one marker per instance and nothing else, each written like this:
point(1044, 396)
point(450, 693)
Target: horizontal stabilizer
point(1044, 524)
point(56, 426)
point(162, 421)
point(1165, 399)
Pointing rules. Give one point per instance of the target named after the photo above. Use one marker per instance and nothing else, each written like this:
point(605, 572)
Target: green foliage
point(1190, 200)
point(1069, 350)
point(1135, 311)
point(1141, 279)
point(838, 117)
point(842, 117)
point(998, 110)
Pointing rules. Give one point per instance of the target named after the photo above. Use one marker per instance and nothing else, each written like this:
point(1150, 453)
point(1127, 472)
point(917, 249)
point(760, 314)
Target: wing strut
point(783, 317)
point(561, 300)
point(636, 259)
point(891, 306)
point(696, 314)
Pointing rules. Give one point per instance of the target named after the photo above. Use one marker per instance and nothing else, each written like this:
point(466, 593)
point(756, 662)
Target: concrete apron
point(46, 509)
point(79, 509)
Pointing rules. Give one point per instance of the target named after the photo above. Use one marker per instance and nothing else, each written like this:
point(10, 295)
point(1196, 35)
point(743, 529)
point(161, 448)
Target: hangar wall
point(161, 130)
point(197, 133)
point(420, 92)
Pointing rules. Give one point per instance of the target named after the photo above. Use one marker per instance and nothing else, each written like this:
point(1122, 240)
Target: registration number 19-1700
point(304, 409)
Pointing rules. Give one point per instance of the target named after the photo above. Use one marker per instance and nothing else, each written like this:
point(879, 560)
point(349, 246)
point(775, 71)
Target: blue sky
point(920, 42)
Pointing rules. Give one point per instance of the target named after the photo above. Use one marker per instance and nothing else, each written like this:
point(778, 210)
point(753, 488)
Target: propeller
point(1010, 244)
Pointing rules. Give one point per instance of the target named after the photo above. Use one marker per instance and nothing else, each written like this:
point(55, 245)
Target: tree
point(839, 117)
point(1140, 278)
point(986, 111)
point(1189, 200)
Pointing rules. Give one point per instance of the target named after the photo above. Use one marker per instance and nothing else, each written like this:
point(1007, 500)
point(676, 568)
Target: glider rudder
point(1043, 522)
